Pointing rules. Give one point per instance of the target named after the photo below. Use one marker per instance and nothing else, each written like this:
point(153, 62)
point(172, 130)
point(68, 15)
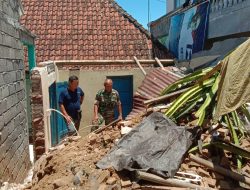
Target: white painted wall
point(46, 80)
point(91, 82)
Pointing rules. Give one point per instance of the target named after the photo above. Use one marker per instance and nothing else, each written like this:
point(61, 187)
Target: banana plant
point(182, 99)
point(235, 138)
point(186, 80)
point(210, 95)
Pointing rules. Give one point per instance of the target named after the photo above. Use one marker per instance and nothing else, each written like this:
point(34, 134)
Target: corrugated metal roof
point(151, 87)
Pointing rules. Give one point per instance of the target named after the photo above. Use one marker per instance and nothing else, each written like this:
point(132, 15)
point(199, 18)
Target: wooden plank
point(139, 65)
point(165, 97)
point(159, 63)
point(220, 169)
point(168, 182)
point(103, 128)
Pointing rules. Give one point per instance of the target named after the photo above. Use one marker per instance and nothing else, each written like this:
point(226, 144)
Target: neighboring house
point(14, 138)
point(87, 30)
point(227, 25)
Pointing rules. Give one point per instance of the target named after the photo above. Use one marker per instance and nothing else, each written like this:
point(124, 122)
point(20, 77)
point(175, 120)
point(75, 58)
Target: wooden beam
point(169, 182)
point(159, 63)
point(105, 127)
point(165, 97)
point(139, 65)
point(220, 169)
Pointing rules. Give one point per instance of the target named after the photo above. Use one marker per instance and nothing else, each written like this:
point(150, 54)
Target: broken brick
point(111, 180)
point(125, 182)
point(211, 182)
point(103, 176)
point(92, 139)
point(106, 138)
point(202, 172)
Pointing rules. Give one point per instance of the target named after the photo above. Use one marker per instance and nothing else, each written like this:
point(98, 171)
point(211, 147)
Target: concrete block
point(12, 88)
point(7, 145)
point(17, 120)
point(5, 91)
point(3, 105)
point(19, 75)
point(9, 114)
point(2, 64)
point(4, 134)
point(1, 37)
point(18, 130)
point(11, 126)
point(19, 85)
point(1, 79)
point(9, 77)
point(21, 95)
point(21, 64)
point(3, 151)
point(9, 65)
point(1, 165)
point(1, 122)
point(10, 101)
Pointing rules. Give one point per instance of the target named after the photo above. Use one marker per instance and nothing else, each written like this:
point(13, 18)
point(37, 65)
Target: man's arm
point(119, 106)
point(68, 118)
point(62, 108)
point(95, 111)
point(96, 106)
point(81, 99)
point(81, 96)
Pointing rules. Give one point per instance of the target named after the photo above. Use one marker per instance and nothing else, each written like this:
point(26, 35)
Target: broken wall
point(14, 139)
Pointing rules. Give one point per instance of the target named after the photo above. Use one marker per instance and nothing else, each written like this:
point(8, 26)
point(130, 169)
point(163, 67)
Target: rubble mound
point(72, 163)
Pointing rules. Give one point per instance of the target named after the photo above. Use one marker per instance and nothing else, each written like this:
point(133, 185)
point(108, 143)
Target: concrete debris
point(72, 164)
point(111, 181)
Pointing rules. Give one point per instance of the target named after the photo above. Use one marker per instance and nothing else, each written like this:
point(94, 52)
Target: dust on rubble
point(72, 164)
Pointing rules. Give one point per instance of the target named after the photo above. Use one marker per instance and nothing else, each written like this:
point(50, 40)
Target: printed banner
point(187, 31)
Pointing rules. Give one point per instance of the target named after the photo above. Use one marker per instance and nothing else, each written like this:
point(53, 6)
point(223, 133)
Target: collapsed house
point(191, 150)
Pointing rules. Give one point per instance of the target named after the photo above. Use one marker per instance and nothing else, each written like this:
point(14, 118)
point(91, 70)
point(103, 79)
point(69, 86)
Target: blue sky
point(139, 9)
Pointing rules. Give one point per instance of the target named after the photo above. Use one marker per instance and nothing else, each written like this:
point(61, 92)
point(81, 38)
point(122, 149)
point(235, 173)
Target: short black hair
point(72, 78)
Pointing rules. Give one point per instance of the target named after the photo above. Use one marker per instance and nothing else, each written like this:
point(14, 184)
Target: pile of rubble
point(72, 165)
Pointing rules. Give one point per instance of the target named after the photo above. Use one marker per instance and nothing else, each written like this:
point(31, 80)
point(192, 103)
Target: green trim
point(31, 56)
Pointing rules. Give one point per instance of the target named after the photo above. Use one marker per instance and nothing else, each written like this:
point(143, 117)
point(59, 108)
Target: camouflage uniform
point(106, 102)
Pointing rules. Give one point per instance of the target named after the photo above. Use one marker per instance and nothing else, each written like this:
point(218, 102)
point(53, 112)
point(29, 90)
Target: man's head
point(73, 82)
point(108, 84)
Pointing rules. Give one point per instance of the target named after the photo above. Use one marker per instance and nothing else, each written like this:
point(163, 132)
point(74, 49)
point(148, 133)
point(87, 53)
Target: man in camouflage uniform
point(105, 102)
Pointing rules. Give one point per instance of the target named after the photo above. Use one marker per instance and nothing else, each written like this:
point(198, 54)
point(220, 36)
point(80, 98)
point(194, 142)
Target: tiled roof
point(87, 30)
point(151, 87)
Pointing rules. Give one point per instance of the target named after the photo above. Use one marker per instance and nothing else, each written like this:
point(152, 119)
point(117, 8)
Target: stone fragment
point(111, 181)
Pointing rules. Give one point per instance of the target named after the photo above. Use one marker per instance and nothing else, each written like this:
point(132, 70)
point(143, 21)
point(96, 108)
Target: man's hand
point(95, 118)
point(120, 117)
point(68, 119)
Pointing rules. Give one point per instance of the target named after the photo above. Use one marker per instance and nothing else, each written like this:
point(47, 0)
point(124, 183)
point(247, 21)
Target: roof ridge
point(130, 18)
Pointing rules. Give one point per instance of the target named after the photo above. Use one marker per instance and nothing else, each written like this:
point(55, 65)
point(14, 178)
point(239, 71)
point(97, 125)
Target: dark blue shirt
point(71, 101)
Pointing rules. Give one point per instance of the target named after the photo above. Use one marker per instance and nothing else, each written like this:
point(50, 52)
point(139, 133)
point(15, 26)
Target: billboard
point(187, 31)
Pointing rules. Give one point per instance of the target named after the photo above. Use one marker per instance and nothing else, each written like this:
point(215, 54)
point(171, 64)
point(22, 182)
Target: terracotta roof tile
point(86, 29)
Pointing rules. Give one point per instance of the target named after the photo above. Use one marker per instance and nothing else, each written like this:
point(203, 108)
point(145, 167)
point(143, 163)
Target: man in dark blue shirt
point(70, 101)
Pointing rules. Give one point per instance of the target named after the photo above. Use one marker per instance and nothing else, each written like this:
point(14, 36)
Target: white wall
point(91, 82)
